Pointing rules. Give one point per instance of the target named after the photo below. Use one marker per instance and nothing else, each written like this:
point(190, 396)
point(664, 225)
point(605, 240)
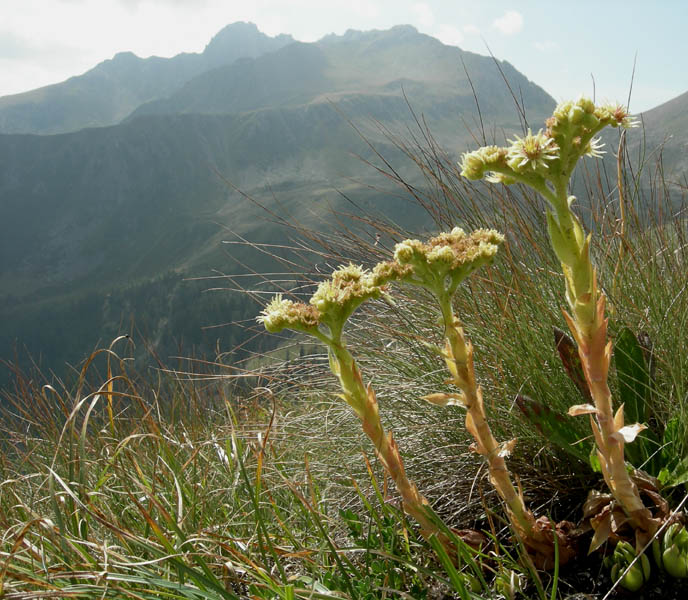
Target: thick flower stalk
point(324, 317)
point(440, 266)
point(545, 161)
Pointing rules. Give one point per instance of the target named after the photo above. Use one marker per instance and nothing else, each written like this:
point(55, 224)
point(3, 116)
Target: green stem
point(476, 419)
point(590, 330)
point(364, 403)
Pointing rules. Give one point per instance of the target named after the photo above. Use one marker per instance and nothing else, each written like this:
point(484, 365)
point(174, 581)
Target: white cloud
point(546, 46)
point(424, 14)
point(449, 35)
point(471, 29)
point(509, 23)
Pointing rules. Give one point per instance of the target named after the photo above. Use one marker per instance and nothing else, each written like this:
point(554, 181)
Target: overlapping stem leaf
point(440, 266)
point(331, 305)
point(545, 161)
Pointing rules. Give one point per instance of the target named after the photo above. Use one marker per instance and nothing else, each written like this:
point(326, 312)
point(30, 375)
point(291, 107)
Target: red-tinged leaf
point(568, 353)
point(602, 525)
point(555, 427)
point(582, 409)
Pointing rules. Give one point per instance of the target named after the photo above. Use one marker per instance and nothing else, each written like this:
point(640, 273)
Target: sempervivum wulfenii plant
point(545, 161)
point(439, 266)
point(324, 318)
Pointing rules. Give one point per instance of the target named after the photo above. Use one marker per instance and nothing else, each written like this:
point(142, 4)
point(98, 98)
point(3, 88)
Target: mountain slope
point(113, 89)
point(434, 77)
point(93, 222)
point(665, 127)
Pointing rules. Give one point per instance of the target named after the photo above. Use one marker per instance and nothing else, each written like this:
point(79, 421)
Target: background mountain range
point(113, 184)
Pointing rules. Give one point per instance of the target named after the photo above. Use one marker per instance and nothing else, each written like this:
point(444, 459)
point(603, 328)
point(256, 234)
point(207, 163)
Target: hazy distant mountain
point(113, 89)
point(666, 127)
point(101, 214)
point(387, 63)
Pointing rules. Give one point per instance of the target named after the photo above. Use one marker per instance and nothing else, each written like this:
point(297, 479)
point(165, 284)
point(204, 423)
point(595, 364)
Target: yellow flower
point(616, 115)
point(532, 151)
point(390, 270)
point(474, 164)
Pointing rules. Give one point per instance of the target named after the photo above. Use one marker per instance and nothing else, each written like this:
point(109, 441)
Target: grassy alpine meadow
point(493, 409)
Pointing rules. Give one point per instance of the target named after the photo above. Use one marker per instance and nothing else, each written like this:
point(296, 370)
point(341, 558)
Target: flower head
point(474, 164)
point(532, 152)
point(388, 271)
point(615, 115)
point(457, 248)
point(454, 254)
point(337, 298)
point(282, 313)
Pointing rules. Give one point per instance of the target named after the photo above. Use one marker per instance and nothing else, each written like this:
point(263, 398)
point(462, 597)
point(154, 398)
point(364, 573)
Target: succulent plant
point(671, 553)
point(632, 578)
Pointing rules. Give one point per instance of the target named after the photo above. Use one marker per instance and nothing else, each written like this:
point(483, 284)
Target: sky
point(568, 48)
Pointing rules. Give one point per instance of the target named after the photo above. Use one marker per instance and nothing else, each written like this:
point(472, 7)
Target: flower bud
point(576, 114)
point(561, 112)
point(586, 104)
point(472, 165)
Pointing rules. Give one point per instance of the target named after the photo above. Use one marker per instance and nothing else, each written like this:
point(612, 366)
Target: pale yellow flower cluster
point(576, 122)
point(535, 157)
point(388, 271)
point(449, 254)
point(454, 254)
point(285, 314)
point(350, 284)
point(475, 164)
point(335, 299)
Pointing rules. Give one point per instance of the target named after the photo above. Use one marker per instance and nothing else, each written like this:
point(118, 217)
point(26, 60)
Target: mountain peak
point(355, 35)
point(242, 39)
point(245, 28)
point(125, 56)
point(403, 29)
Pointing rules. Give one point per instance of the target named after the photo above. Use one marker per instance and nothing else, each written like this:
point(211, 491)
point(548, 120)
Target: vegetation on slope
point(254, 485)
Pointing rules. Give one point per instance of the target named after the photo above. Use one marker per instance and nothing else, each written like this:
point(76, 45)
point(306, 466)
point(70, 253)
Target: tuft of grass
point(186, 489)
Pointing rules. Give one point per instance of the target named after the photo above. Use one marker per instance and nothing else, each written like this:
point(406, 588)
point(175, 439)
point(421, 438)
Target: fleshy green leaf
point(633, 376)
point(634, 390)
